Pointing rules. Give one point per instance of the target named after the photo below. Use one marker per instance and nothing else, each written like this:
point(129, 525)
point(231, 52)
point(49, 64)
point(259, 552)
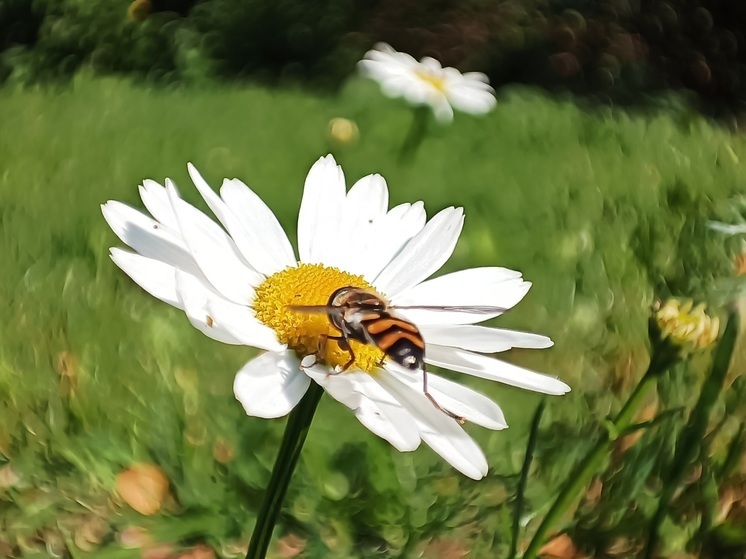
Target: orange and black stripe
point(398, 339)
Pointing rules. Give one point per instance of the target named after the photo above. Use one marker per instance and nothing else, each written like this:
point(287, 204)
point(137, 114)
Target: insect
point(365, 316)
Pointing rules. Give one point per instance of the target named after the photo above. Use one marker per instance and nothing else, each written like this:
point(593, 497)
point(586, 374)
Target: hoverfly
point(365, 316)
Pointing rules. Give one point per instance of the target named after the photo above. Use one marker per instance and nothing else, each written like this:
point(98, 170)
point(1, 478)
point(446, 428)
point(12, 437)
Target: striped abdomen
point(400, 340)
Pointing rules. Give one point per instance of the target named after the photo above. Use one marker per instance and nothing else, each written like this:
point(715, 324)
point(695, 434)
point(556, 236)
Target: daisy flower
point(236, 283)
point(427, 83)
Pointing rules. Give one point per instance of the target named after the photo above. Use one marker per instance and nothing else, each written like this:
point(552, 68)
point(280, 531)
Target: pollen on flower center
point(435, 80)
point(306, 333)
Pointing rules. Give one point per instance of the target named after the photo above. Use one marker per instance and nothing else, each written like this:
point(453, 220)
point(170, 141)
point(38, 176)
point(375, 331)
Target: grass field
point(603, 211)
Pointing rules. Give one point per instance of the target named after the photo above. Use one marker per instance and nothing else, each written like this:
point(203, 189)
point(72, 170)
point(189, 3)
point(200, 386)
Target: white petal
point(493, 369)
point(148, 237)
point(243, 324)
point(377, 70)
point(423, 255)
point(477, 77)
point(431, 64)
point(367, 199)
point(471, 100)
point(272, 250)
point(373, 406)
point(253, 226)
point(322, 204)
point(456, 398)
point(383, 61)
point(193, 298)
point(482, 339)
point(410, 87)
point(442, 109)
point(410, 217)
point(442, 433)
point(155, 198)
point(364, 208)
point(391, 58)
point(392, 232)
point(344, 390)
point(497, 287)
point(270, 385)
point(154, 276)
point(214, 252)
point(222, 319)
point(221, 211)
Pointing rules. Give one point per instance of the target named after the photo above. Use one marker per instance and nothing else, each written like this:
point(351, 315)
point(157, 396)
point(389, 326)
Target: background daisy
point(427, 83)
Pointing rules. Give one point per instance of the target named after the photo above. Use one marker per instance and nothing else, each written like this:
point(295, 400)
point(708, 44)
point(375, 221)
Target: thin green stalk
point(416, 134)
point(689, 444)
point(296, 430)
point(592, 462)
point(521, 494)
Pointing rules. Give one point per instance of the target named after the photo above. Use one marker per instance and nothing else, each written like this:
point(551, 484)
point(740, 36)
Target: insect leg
point(430, 397)
point(344, 345)
point(320, 354)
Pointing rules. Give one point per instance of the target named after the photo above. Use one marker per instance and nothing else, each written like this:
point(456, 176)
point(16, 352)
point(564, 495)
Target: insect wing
point(473, 309)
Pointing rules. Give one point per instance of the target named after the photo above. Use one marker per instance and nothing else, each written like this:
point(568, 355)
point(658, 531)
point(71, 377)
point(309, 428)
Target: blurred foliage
point(600, 211)
point(611, 51)
point(57, 38)
point(285, 40)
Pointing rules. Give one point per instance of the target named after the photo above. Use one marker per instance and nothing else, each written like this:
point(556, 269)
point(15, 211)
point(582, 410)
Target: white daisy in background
point(235, 284)
point(427, 83)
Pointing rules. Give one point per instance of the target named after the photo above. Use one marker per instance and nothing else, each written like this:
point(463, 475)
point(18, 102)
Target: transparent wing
point(451, 308)
point(325, 309)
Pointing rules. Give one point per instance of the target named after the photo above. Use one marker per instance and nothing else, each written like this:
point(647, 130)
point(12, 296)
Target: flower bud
point(686, 326)
point(343, 131)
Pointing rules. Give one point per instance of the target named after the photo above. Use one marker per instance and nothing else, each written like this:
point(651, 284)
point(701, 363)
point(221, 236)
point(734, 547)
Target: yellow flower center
point(437, 81)
point(306, 333)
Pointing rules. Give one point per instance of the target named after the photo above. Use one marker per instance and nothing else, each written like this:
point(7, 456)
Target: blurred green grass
point(601, 210)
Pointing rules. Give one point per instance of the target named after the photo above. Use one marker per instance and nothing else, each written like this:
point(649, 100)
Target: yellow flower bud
point(343, 131)
point(686, 325)
point(139, 10)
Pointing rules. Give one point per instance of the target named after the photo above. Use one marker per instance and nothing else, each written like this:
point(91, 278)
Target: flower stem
point(417, 132)
point(521, 493)
point(296, 430)
point(689, 443)
point(593, 460)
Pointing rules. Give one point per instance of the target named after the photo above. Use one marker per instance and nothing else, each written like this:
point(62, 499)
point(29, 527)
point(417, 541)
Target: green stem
point(593, 460)
point(296, 430)
point(689, 443)
point(520, 495)
point(417, 132)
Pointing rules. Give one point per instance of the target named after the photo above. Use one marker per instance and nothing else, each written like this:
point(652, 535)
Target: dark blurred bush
point(614, 51)
point(698, 45)
point(619, 50)
point(610, 50)
point(59, 37)
point(284, 39)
